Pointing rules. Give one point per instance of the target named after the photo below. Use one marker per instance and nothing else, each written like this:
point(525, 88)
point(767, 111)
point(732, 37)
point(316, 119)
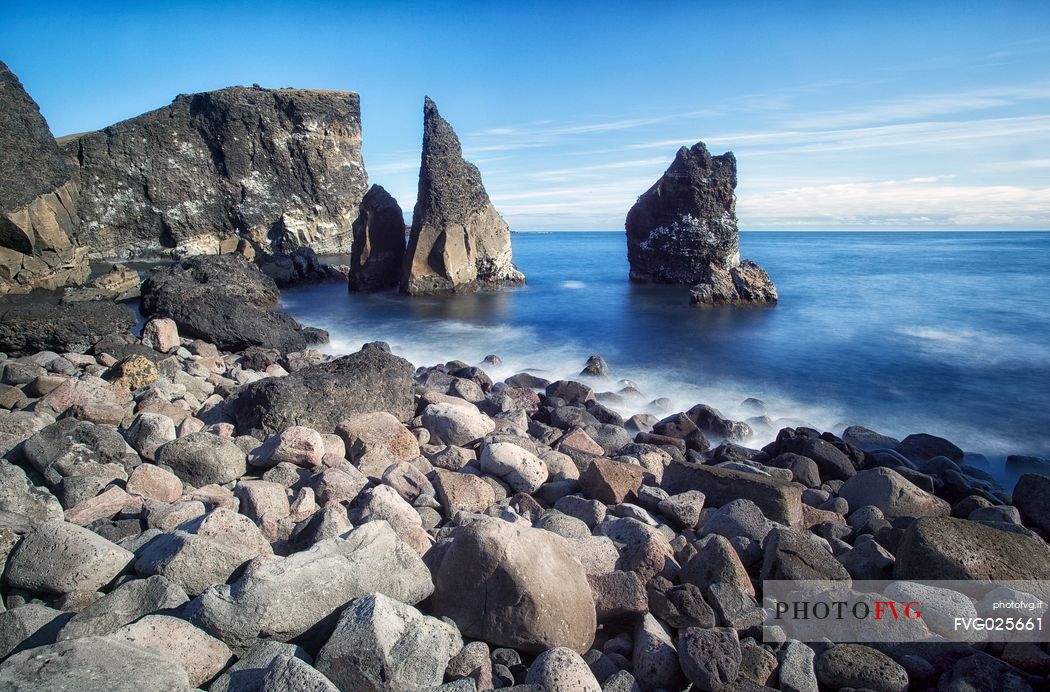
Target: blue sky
point(842, 115)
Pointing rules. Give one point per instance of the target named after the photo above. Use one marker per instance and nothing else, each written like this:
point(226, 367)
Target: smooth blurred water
point(946, 333)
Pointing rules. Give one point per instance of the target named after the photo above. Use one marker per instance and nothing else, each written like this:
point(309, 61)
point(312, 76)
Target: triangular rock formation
point(459, 242)
point(683, 230)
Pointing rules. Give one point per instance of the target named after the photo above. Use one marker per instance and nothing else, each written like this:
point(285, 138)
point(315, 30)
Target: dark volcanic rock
point(945, 548)
point(278, 167)
point(683, 230)
point(686, 221)
point(459, 242)
point(379, 243)
point(322, 396)
point(37, 199)
point(30, 326)
point(225, 300)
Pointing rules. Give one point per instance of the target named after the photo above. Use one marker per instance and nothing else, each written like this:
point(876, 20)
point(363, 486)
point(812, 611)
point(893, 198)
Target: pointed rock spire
point(459, 242)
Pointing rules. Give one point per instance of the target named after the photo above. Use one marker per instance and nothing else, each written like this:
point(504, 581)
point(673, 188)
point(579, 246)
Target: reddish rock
point(154, 483)
point(161, 335)
point(462, 491)
point(297, 445)
point(611, 482)
point(579, 441)
point(102, 506)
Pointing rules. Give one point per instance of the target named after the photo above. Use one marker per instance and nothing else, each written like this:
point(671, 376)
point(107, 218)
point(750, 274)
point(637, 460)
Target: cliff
point(278, 168)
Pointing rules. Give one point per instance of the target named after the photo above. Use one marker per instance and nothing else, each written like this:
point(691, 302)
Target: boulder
point(38, 200)
point(58, 557)
point(922, 447)
point(794, 554)
point(458, 241)
point(709, 658)
point(522, 470)
point(860, 667)
point(374, 441)
point(225, 300)
point(161, 334)
point(560, 669)
point(322, 396)
point(612, 482)
point(892, 493)
point(515, 586)
point(42, 325)
point(654, 657)
point(154, 483)
point(29, 626)
point(779, 500)
point(148, 431)
point(297, 445)
point(276, 168)
point(380, 644)
point(19, 496)
point(92, 663)
point(202, 459)
point(251, 668)
point(1032, 497)
point(456, 424)
point(201, 656)
point(462, 492)
point(192, 561)
point(946, 548)
point(287, 673)
point(297, 598)
point(378, 250)
point(125, 604)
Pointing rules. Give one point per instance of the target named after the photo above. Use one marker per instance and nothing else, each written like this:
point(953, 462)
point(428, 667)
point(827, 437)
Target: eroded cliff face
point(38, 199)
point(458, 242)
point(683, 230)
point(278, 168)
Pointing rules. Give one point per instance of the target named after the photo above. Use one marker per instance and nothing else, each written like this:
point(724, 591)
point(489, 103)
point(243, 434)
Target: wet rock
point(381, 644)
point(322, 396)
point(458, 241)
point(922, 447)
point(534, 593)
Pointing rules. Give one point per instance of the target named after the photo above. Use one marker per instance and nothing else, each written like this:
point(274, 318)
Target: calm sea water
point(946, 333)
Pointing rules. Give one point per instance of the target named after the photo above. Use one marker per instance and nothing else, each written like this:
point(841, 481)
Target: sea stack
point(276, 168)
point(459, 243)
point(683, 230)
point(38, 199)
point(379, 243)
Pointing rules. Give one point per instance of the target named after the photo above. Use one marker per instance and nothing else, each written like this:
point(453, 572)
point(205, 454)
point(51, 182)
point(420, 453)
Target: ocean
point(946, 333)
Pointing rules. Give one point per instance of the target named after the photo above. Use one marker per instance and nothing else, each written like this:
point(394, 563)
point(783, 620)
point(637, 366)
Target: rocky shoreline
point(260, 516)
